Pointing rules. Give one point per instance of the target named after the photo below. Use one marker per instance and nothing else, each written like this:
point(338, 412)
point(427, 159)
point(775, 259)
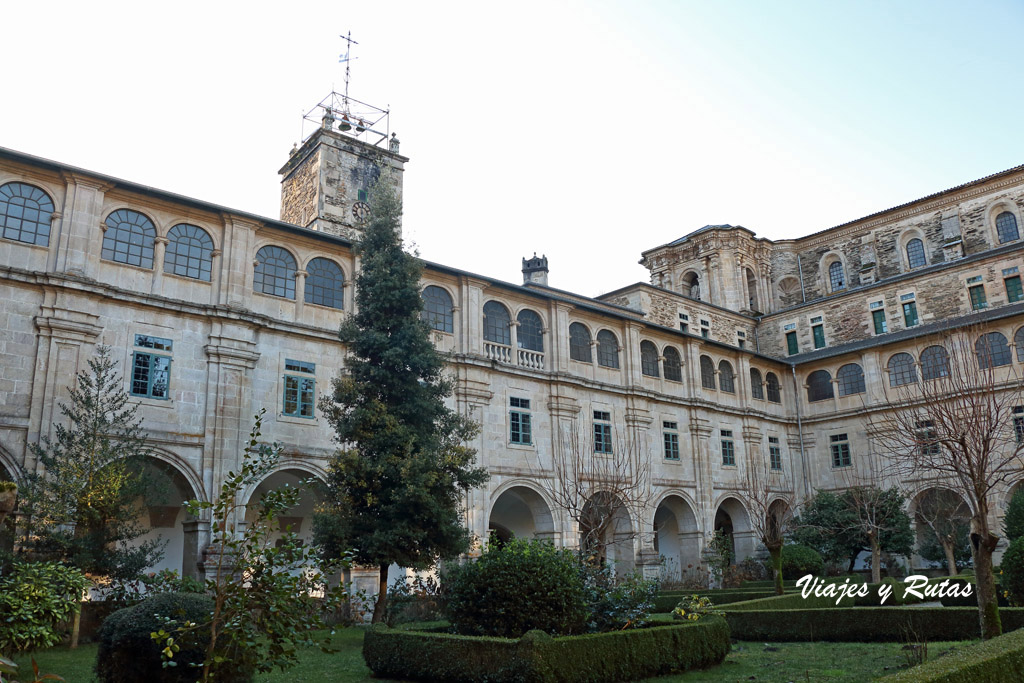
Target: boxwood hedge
point(666, 601)
point(990, 661)
point(617, 656)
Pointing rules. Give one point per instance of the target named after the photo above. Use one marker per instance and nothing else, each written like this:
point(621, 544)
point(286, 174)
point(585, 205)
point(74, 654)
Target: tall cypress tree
point(395, 485)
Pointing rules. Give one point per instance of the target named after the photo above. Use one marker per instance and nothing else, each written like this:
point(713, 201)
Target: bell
point(360, 125)
point(344, 125)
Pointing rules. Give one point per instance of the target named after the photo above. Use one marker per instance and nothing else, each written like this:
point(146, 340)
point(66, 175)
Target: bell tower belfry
point(326, 183)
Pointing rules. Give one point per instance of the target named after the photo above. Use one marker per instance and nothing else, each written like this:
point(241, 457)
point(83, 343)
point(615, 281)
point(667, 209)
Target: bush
point(620, 656)
point(694, 608)
point(36, 599)
point(409, 600)
point(799, 560)
point(615, 605)
point(998, 659)
point(128, 654)
point(523, 585)
point(666, 601)
point(1013, 524)
point(1012, 569)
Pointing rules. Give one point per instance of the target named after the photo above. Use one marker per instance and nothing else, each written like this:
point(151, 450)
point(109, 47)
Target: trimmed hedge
point(666, 602)
point(617, 656)
point(990, 661)
point(768, 584)
point(867, 624)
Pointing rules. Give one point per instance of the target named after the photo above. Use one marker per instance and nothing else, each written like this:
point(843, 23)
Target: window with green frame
point(299, 389)
point(728, 448)
point(774, 452)
point(151, 367)
point(878, 318)
point(978, 298)
point(910, 314)
point(671, 438)
point(792, 346)
point(1014, 291)
point(602, 431)
point(819, 336)
point(520, 425)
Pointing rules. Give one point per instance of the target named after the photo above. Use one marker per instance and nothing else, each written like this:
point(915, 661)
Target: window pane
point(1014, 292)
point(902, 370)
point(915, 253)
point(189, 252)
point(579, 343)
point(325, 284)
point(648, 359)
point(819, 386)
point(910, 314)
point(836, 277)
point(673, 365)
point(726, 378)
point(437, 309)
point(851, 380)
point(791, 344)
point(607, 349)
point(1006, 226)
point(496, 324)
point(529, 336)
point(756, 390)
point(978, 299)
point(707, 373)
point(275, 272)
point(819, 336)
point(129, 238)
point(771, 382)
point(881, 326)
point(25, 213)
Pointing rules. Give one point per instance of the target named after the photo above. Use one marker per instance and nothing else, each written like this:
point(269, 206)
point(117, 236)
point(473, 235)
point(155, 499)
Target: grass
point(748, 661)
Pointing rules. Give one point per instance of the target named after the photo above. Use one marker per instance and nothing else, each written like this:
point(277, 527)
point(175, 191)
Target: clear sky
point(587, 131)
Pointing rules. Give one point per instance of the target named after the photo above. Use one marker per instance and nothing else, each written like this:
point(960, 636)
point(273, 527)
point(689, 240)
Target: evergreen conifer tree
point(395, 486)
point(81, 505)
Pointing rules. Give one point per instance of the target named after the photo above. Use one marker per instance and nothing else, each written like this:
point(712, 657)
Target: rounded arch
point(580, 342)
point(707, 372)
point(733, 520)
point(934, 362)
point(732, 505)
point(676, 534)
point(913, 249)
point(522, 510)
point(726, 377)
point(607, 531)
point(834, 277)
point(290, 472)
point(1018, 341)
point(690, 285)
point(129, 237)
point(496, 323)
point(325, 283)
point(649, 358)
point(819, 386)
point(8, 466)
point(274, 271)
point(773, 388)
point(183, 468)
point(530, 335)
point(789, 290)
point(1003, 220)
point(850, 379)
point(751, 282)
point(673, 363)
point(607, 349)
point(756, 384)
point(992, 350)
point(902, 369)
point(26, 213)
point(189, 252)
point(438, 308)
point(940, 517)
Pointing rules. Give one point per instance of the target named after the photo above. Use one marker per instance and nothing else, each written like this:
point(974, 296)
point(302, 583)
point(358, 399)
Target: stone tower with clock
point(326, 182)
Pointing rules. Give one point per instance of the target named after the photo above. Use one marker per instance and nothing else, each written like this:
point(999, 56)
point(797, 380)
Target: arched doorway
point(520, 512)
point(163, 516)
point(941, 519)
point(732, 520)
point(691, 286)
point(299, 519)
point(676, 537)
point(606, 532)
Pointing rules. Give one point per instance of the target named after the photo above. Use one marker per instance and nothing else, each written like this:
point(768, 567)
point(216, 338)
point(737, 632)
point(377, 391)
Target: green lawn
point(781, 662)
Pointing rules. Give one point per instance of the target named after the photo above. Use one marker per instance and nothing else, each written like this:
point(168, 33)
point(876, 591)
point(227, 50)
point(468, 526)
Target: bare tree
point(956, 423)
point(602, 480)
point(878, 515)
point(771, 515)
point(944, 514)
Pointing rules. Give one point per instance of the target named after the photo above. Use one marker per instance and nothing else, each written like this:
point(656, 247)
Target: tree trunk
point(76, 627)
point(947, 547)
point(876, 560)
point(988, 599)
point(776, 558)
point(382, 596)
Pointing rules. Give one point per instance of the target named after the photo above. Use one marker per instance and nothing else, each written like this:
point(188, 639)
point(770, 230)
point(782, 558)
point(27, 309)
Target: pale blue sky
point(588, 131)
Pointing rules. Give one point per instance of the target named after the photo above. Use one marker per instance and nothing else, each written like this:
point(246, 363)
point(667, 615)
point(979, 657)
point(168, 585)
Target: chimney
point(535, 270)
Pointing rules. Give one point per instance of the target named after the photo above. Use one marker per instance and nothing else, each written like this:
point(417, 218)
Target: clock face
point(360, 211)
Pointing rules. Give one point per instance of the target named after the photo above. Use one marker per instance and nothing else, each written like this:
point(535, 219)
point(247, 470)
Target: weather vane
point(345, 59)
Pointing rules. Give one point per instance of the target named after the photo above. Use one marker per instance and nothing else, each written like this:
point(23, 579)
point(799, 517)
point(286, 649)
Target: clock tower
point(326, 183)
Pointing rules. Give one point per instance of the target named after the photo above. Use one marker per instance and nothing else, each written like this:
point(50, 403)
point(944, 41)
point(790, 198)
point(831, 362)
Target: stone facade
point(240, 340)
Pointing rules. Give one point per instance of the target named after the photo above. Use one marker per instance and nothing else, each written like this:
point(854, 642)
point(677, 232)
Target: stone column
point(159, 250)
point(78, 243)
point(300, 292)
point(197, 537)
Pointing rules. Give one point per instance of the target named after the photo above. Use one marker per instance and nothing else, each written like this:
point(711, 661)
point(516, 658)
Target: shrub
point(998, 659)
point(36, 599)
point(1012, 570)
point(416, 599)
point(798, 560)
point(513, 589)
point(1013, 524)
point(693, 608)
point(619, 656)
point(613, 604)
point(128, 654)
point(125, 593)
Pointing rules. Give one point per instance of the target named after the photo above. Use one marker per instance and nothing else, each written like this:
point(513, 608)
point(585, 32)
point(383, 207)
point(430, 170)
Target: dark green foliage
point(990, 661)
point(395, 488)
point(521, 586)
point(1012, 569)
point(666, 601)
point(615, 603)
point(931, 549)
point(620, 656)
point(127, 653)
point(81, 511)
point(414, 600)
point(867, 624)
point(36, 600)
point(1013, 524)
point(825, 523)
point(799, 560)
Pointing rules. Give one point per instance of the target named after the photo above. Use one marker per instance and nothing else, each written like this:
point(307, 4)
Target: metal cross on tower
point(345, 59)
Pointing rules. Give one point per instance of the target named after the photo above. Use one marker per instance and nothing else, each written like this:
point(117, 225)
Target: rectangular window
point(1014, 292)
point(1018, 423)
point(520, 428)
point(728, 448)
point(683, 327)
point(671, 436)
point(819, 336)
point(299, 388)
point(704, 332)
point(602, 432)
point(978, 300)
point(926, 443)
point(840, 447)
point(151, 369)
point(774, 453)
point(910, 314)
point(363, 195)
point(878, 318)
point(741, 343)
point(791, 344)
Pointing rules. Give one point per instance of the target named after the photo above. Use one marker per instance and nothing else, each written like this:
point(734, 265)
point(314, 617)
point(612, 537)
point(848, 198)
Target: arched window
point(726, 378)
point(992, 350)
point(673, 365)
point(902, 370)
point(850, 378)
point(275, 272)
point(189, 252)
point(836, 276)
point(1006, 227)
point(756, 389)
point(771, 385)
point(648, 359)
point(129, 238)
point(496, 324)
point(25, 214)
point(934, 362)
point(437, 309)
point(530, 335)
point(915, 253)
point(707, 373)
point(819, 386)
point(691, 286)
point(325, 284)
point(1018, 340)
point(579, 343)
point(607, 349)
